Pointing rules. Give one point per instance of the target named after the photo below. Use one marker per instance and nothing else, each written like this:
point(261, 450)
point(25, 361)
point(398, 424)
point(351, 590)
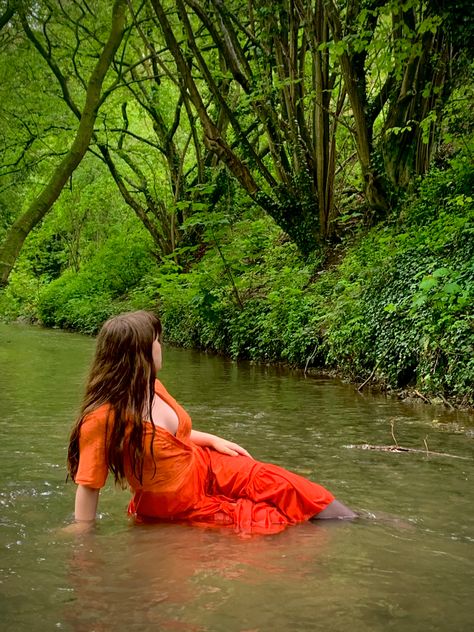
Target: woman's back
point(167, 458)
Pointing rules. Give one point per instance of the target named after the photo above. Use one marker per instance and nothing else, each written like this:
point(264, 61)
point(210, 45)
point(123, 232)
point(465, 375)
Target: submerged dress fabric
point(185, 482)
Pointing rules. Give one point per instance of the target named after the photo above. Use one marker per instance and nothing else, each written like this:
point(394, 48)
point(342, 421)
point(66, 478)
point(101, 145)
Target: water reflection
point(181, 577)
point(359, 577)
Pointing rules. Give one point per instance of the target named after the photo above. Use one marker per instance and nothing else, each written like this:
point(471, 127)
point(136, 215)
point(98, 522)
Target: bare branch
point(137, 137)
point(52, 64)
point(7, 14)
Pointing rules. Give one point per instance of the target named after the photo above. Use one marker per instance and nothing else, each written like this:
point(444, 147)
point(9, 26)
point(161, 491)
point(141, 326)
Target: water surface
point(411, 568)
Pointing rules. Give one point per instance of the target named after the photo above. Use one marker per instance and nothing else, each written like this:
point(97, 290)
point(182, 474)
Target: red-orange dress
point(185, 482)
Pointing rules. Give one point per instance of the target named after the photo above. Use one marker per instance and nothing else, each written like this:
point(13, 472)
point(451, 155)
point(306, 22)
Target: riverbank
point(372, 384)
point(393, 309)
point(408, 395)
point(389, 306)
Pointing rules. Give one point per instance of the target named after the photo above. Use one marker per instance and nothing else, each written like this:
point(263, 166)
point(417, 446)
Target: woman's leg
point(295, 497)
point(335, 511)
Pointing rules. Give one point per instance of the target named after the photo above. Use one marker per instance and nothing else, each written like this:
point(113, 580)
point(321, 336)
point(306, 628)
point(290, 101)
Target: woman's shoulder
point(160, 387)
point(97, 417)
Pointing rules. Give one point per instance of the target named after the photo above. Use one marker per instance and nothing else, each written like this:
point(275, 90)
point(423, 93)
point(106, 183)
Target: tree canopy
point(296, 106)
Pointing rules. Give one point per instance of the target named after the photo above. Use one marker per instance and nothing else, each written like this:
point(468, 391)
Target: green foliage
point(18, 300)
point(83, 300)
point(399, 303)
point(243, 298)
point(403, 302)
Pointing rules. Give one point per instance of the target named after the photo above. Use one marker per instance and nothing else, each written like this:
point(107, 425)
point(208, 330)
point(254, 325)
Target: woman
point(131, 426)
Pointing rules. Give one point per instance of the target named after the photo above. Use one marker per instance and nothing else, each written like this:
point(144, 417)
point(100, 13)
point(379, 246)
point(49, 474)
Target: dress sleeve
point(92, 470)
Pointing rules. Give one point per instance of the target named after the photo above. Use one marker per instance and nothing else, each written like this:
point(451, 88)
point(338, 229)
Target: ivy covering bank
point(395, 301)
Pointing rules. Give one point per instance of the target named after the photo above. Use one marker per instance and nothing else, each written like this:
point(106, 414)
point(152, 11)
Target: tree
point(40, 206)
point(278, 76)
point(396, 60)
point(267, 122)
point(283, 97)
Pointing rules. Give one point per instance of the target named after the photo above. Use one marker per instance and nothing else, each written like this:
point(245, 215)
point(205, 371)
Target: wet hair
point(122, 375)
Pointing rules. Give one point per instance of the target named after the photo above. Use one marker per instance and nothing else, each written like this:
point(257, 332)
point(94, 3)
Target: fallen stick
point(392, 427)
point(421, 396)
point(446, 401)
point(370, 376)
point(425, 441)
point(377, 364)
point(310, 357)
point(399, 448)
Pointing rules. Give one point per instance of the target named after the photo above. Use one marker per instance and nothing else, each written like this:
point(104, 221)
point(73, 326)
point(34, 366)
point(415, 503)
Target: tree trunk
point(419, 102)
point(18, 232)
point(354, 80)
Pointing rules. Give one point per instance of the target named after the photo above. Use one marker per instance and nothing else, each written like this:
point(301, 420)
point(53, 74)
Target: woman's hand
point(78, 528)
point(217, 443)
point(228, 447)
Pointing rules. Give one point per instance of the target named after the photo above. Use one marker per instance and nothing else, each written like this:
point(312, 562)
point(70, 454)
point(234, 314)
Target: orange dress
point(185, 482)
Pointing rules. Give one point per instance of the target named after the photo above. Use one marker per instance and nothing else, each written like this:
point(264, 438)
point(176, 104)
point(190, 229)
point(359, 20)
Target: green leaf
point(428, 283)
point(441, 272)
point(452, 288)
point(419, 300)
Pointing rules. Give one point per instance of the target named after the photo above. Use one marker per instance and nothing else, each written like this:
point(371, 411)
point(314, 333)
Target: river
point(407, 564)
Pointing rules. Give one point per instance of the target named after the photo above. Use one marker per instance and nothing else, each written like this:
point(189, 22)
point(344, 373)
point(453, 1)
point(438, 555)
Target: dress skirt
point(251, 496)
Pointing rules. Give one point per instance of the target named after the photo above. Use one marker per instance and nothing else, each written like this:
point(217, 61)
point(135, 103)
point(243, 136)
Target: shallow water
point(411, 567)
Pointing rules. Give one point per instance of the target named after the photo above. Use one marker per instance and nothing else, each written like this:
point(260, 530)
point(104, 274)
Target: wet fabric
point(185, 482)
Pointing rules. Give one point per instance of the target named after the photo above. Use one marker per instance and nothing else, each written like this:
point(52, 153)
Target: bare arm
point(85, 511)
point(87, 499)
point(217, 443)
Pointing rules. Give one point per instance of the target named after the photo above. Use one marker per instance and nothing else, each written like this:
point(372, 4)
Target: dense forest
point(283, 181)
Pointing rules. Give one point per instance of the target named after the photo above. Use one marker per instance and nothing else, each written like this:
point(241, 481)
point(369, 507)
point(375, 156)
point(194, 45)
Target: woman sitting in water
point(129, 424)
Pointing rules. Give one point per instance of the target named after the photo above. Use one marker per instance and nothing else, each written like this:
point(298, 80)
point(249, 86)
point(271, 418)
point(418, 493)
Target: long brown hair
point(122, 375)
